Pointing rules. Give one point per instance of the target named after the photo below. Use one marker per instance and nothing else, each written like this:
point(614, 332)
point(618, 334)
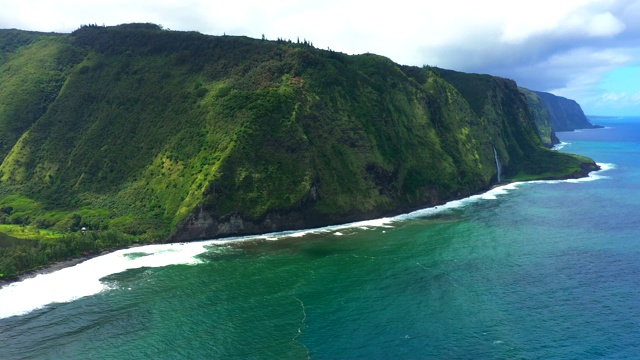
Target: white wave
point(83, 279)
point(363, 225)
point(560, 146)
point(594, 175)
point(455, 204)
point(605, 167)
point(497, 191)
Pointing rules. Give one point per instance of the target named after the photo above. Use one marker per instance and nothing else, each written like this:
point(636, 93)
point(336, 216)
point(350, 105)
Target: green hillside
point(541, 117)
point(564, 114)
point(139, 134)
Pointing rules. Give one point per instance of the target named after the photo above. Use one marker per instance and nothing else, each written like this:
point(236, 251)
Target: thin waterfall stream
point(498, 165)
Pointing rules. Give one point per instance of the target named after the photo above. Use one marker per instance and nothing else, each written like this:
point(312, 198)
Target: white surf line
point(594, 175)
point(83, 279)
point(499, 190)
point(560, 146)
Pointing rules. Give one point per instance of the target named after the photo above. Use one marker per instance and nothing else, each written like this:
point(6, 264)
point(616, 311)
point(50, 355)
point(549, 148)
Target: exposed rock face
point(565, 114)
point(201, 224)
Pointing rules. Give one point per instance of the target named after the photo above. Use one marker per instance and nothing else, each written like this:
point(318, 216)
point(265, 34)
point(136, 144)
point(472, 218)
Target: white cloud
point(547, 44)
point(614, 103)
point(613, 97)
point(604, 24)
point(620, 99)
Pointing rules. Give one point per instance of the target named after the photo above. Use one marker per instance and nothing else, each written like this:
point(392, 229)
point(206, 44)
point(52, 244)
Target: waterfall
point(498, 165)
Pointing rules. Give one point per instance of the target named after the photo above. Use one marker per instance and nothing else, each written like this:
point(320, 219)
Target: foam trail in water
point(84, 279)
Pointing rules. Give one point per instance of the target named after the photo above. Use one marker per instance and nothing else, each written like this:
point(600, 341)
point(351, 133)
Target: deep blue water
point(545, 270)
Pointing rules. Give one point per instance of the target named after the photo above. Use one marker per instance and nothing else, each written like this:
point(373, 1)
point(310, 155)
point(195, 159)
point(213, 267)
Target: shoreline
point(58, 265)
point(47, 269)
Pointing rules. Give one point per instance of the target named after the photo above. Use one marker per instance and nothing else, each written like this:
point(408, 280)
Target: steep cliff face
point(33, 68)
point(475, 87)
point(164, 134)
point(410, 139)
point(564, 114)
point(541, 118)
point(497, 100)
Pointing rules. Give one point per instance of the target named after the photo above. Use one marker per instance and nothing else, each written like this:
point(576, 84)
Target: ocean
point(535, 270)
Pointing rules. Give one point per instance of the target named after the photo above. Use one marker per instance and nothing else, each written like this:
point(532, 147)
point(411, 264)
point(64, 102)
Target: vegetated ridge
point(139, 134)
point(565, 114)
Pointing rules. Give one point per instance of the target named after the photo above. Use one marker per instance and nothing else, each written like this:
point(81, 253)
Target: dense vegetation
point(541, 117)
point(564, 114)
point(138, 134)
point(23, 256)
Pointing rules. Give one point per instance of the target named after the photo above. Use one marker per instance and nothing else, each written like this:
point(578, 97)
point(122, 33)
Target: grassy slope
point(135, 126)
point(33, 67)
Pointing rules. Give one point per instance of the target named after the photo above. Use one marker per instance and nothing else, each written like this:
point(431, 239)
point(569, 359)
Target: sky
point(586, 50)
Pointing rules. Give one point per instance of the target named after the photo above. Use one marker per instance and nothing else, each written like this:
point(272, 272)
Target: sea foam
point(560, 146)
point(83, 279)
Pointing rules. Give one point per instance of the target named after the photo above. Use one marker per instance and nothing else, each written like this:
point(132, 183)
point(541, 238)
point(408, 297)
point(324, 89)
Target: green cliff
point(541, 117)
point(474, 88)
point(564, 114)
point(140, 134)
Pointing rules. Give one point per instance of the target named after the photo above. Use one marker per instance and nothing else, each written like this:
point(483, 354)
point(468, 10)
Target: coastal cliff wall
point(182, 136)
point(564, 114)
point(541, 117)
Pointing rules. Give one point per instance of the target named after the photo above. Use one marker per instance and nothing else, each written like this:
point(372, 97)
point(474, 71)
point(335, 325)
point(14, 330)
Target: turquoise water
point(545, 270)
